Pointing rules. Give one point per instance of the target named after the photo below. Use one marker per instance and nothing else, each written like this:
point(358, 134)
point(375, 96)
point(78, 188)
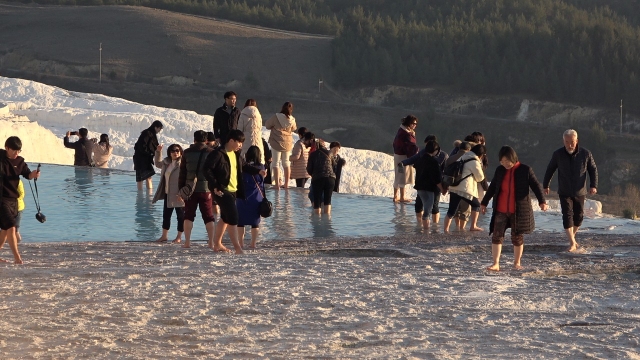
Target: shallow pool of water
point(88, 204)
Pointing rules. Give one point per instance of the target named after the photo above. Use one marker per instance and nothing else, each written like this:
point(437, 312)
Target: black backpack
point(453, 173)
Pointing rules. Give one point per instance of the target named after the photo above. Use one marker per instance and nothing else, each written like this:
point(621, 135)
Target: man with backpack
point(463, 177)
point(191, 168)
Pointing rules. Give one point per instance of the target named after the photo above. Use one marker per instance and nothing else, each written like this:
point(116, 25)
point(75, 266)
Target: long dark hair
point(253, 155)
point(104, 138)
point(287, 108)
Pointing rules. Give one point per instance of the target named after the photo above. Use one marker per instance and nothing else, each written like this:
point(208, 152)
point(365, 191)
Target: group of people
point(225, 172)
point(509, 189)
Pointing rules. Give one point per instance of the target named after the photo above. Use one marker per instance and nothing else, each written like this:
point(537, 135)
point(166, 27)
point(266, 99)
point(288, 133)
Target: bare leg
point(241, 232)
point(178, 237)
point(164, 235)
point(462, 225)
point(517, 255)
point(275, 176)
point(402, 198)
point(188, 226)
point(211, 230)
point(317, 211)
point(573, 245)
point(217, 239)
point(426, 224)
point(447, 223)
point(233, 234)
point(327, 209)
point(254, 237)
point(435, 218)
point(287, 175)
point(13, 243)
point(18, 236)
point(419, 218)
point(395, 194)
point(3, 237)
point(496, 250)
point(139, 183)
point(474, 221)
point(149, 183)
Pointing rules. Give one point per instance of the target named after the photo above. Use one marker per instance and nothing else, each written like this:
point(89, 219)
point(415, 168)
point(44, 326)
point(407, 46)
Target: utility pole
point(100, 78)
point(620, 116)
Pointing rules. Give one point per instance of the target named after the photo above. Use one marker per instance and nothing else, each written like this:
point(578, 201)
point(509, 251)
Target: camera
point(40, 217)
point(73, 133)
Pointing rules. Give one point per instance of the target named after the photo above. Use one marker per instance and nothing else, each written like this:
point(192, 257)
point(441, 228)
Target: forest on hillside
point(582, 51)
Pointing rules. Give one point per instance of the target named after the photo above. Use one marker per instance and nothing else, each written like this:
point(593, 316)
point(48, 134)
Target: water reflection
point(103, 204)
point(145, 216)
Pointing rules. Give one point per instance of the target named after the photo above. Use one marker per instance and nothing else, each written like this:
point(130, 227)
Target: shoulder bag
point(266, 207)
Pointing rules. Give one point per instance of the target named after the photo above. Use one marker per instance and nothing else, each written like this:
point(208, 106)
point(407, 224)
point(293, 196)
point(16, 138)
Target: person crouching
point(223, 170)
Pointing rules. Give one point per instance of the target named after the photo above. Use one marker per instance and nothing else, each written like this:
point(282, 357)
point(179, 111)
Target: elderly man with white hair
point(573, 164)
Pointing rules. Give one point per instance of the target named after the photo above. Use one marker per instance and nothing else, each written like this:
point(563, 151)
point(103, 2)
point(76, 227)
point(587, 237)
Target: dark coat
point(83, 150)
point(428, 174)
point(405, 143)
point(145, 149)
point(572, 172)
point(338, 163)
point(218, 172)
point(524, 179)
point(321, 164)
point(189, 164)
point(223, 122)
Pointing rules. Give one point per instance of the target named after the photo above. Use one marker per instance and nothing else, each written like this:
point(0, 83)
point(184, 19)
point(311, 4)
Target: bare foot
point(476, 229)
point(251, 247)
point(221, 249)
point(517, 267)
point(446, 232)
point(18, 262)
point(405, 201)
point(239, 252)
point(494, 267)
point(3, 261)
point(176, 241)
point(395, 200)
point(186, 245)
point(573, 247)
point(161, 240)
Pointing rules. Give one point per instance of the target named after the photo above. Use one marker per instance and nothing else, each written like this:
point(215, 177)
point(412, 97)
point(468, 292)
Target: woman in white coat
point(250, 123)
point(467, 190)
point(282, 126)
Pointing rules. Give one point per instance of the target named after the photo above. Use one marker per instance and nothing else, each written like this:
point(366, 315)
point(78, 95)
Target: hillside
point(154, 46)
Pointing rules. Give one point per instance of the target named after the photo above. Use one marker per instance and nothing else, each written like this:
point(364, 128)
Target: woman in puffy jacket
point(404, 147)
point(282, 126)
point(299, 157)
point(250, 123)
point(511, 205)
point(467, 190)
point(102, 152)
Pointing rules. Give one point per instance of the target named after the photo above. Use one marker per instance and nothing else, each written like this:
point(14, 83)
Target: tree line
point(580, 51)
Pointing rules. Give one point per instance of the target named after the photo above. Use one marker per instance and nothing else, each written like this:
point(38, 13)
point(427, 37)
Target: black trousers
point(300, 182)
point(166, 216)
point(572, 210)
point(322, 191)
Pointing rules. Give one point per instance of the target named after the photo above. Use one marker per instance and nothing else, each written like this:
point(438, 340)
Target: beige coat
point(299, 157)
point(102, 154)
point(250, 123)
point(468, 188)
point(282, 128)
point(172, 202)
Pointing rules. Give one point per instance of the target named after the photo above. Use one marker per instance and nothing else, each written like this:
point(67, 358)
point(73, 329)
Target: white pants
point(280, 156)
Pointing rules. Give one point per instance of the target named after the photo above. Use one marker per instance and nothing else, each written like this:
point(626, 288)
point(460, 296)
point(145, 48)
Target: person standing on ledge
point(226, 118)
point(573, 164)
point(83, 147)
point(11, 167)
point(144, 153)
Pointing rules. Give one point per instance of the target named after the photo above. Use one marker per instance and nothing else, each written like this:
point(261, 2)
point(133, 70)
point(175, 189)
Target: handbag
point(266, 207)
point(190, 186)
